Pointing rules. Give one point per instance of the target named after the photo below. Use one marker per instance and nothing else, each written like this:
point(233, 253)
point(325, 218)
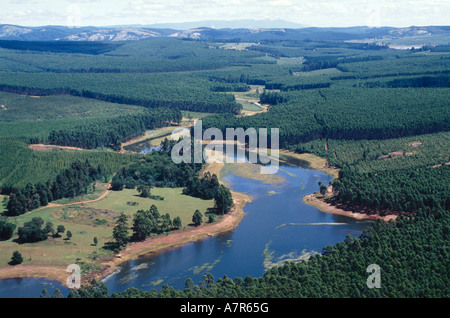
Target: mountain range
point(218, 32)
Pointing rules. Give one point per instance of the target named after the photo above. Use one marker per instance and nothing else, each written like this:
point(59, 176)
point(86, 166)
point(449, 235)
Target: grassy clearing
point(57, 252)
point(291, 61)
point(250, 101)
point(250, 106)
point(89, 220)
point(174, 203)
point(252, 94)
point(324, 72)
point(100, 188)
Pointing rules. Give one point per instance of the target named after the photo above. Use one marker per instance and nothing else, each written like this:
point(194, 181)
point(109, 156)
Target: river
point(278, 226)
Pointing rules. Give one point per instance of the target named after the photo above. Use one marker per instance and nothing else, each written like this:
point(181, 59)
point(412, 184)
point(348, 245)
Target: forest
point(71, 183)
point(111, 133)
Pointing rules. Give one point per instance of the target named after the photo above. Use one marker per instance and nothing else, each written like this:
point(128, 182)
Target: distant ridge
point(224, 31)
point(234, 24)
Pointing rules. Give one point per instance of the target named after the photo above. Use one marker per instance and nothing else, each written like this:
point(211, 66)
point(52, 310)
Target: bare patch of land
point(310, 161)
point(323, 203)
point(20, 271)
point(43, 147)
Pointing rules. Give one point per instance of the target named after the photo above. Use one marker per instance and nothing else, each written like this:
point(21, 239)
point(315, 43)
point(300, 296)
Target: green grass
point(290, 61)
point(100, 187)
point(252, 94)
point(174, 203)
point(250, 106)
point(56, 252)
point(90, 220)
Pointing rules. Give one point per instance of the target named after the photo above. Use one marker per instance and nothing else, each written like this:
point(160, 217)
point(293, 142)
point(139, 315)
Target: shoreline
point(313, 199)
point(138, 249)
point(177, 238)
point(321, 205)
point(46, 272)
point(135, 250)
point(312, 161)
point(159, 244)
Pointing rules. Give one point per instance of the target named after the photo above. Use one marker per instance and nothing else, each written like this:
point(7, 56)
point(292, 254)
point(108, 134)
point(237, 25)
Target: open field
point(89, 220)
point(57, 252)
point(174, 203)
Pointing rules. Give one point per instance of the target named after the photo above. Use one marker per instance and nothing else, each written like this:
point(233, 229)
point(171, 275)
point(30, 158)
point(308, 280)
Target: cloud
point(311, 12)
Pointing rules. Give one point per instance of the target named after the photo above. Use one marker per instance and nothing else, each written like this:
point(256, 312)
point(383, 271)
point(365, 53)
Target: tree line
point(145, 223)
point(32, 231)
point(347, 114)
point(400, 190)
point(70, 183)
point(112, 132)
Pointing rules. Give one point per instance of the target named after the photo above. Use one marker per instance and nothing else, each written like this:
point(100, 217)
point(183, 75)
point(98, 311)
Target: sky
point(318, 13)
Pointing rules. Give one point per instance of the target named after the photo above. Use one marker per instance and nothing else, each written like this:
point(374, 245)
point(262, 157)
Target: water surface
point(277, 226)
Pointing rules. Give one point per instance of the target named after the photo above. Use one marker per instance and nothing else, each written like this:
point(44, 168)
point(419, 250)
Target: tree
point(95, 241)
point(16, 205)
point(49, 228)
point(143, 225)
point(57, 294)
point(117, 183)
point(323, 188)
point(60, 229)
point(16, 258)
point(177, 222)
point(6, 230)
point(69, 235)
point(197, 218)
point(223, 199)
point(31, 231)
point(120, 231)
point(144, 191)
point(45, 294)
point(212, 218)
